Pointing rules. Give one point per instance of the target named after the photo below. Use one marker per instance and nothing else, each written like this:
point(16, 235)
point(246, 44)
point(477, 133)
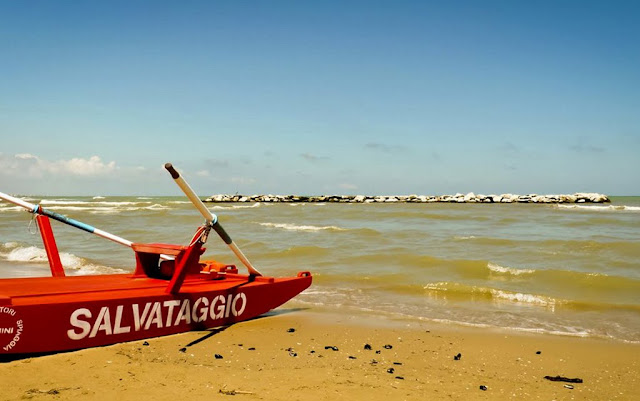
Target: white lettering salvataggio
point(154, 315)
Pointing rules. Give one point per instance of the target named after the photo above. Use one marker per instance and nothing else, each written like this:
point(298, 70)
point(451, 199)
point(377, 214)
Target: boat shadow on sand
point(212, 332)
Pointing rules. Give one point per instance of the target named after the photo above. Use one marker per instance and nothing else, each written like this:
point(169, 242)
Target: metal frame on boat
point(170, 291)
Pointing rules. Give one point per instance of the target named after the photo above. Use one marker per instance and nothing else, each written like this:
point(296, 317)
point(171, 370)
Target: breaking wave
point(93, 207)
point(74, 265)
point(10, 208)
point(508, 270)
point(492, 294)
point(218, 207)
point(486, 240)
point(609, 208)
point(293, 227)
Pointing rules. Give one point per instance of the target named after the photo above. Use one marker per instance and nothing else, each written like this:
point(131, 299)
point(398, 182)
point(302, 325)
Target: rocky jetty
point(457, 198)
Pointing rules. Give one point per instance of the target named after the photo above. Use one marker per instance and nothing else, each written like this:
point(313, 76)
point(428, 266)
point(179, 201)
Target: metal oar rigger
point(211, 219)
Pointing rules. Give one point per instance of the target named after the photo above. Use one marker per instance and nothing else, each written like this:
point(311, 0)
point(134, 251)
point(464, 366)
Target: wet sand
point(304, 355)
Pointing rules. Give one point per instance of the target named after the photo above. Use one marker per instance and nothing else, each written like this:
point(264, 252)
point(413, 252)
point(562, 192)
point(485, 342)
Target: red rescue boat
point(171, 291)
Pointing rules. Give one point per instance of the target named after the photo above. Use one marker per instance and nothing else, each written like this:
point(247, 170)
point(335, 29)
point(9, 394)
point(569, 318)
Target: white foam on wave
point(118, 209)
point(98, 197)
point(61, 204)
point(73, 264)
point(494, 294)
point(90, 209)
point(101, 207)
point(106, 210)
point(65, 202)
point(570, 332)
point(508, 270)
point(597, 274)
point(35, 254)
point(257, 204)
point(519, 297)
point(156, 206)
point(464, 237)
point(9, 245)
point(293, 227)
point(610, 208)
point(123, 203)
point(11, 209)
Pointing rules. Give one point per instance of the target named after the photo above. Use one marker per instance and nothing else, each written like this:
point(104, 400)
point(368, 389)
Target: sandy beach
point(305, 355)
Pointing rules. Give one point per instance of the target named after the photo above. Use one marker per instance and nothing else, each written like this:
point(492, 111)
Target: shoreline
point(306, 355)
point(457, 198)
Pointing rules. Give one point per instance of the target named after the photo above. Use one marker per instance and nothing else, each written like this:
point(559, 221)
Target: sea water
point(562, 269)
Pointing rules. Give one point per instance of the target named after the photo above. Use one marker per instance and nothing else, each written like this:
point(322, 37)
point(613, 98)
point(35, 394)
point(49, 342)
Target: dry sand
point(263, 359)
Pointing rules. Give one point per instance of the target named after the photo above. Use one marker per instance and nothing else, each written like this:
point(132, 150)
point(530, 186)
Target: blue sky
point(320, 97)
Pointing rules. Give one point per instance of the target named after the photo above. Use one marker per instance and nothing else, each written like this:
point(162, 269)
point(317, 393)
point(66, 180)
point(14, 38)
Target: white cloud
point(25, 156)
point(86, 167)
point(28, 165)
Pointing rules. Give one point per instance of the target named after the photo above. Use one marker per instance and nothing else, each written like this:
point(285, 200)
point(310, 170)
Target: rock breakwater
point(457, 198)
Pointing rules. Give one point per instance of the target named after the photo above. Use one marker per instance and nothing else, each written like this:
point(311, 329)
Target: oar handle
point(18, 202)
point(212, 219)
point(193, 197)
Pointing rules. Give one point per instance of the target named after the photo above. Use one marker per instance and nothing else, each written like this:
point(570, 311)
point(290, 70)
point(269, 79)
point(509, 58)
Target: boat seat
point(148, 261)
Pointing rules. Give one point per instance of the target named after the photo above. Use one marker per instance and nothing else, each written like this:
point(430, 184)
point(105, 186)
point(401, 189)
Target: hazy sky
point(320, 97)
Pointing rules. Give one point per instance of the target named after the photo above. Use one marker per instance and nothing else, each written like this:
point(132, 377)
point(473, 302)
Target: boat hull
point(51, 314)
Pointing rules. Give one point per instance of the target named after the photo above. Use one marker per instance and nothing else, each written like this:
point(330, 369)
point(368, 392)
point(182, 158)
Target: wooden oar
point(212, 219)
point(64, 219)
